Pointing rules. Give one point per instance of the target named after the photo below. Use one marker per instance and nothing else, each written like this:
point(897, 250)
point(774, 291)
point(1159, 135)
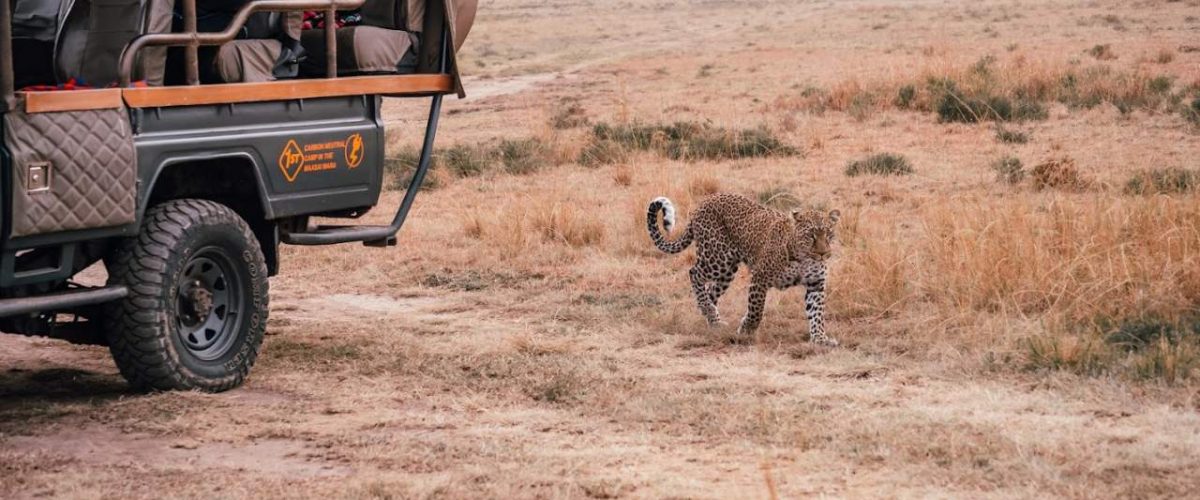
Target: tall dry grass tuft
point(568, 224)
point(1107, 257)
point(531, 226)
point(704, 184)
point(623, 175)
point(871, 275)
point(506, 230)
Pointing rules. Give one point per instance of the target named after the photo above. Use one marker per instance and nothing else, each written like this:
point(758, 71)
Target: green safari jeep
point(179, 145)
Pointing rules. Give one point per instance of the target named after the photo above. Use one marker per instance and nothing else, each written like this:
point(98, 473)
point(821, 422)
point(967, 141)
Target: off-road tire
point(143, 329)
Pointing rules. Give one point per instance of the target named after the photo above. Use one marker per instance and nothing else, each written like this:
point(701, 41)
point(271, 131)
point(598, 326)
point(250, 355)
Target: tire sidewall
point(230, 237)
point(143, 328)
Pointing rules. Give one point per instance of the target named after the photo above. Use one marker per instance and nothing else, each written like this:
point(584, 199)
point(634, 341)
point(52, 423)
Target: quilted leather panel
point(92, 170)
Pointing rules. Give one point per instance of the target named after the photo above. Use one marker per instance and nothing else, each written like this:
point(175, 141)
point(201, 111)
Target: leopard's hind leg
point(719, 279)
point(704, 298)
point(716, 264)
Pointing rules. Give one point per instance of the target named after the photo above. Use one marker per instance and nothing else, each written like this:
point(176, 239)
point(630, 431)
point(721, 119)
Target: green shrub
point(905, 97)
point(1009, 170)
point(861, 106)
point(1079, 355)
point(465, 161)
point(398, 170)
point(1159, 84)
point(713, 143)
point(1160, 349)
point(1028, 109)
point(1191, 112)
point(1011, 136)
point(879, 164)
point(1163, 180)
point(955, 107)
point(1141, 332)
point(571, 116)
point(983, 67)
point(603, 152)
point(1168, 362)
point(522, 156)
point(686, 140)
point(633, 136)
point(1102, 52)
point(1142, 348)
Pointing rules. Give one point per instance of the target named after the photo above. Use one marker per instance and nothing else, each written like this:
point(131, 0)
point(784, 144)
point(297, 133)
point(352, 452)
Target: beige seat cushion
point(242, 61)
point(361, 50)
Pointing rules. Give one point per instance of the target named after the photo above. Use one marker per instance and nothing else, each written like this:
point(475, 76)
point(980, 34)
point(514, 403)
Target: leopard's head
point(813, 234)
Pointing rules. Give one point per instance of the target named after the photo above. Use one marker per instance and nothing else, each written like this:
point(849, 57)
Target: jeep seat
point(362, 50)
point(268, 50)
point(93, 33)
point(387, 42)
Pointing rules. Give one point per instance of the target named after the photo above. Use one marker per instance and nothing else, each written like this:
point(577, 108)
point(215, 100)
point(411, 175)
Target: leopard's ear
point(834, 215)
point(797, 214)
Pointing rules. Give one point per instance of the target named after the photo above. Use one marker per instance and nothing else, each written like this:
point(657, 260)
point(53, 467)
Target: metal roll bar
point(6, 65)
point(192, 39)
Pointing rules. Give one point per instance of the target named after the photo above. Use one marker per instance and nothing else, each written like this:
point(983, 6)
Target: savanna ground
point(1015, 290)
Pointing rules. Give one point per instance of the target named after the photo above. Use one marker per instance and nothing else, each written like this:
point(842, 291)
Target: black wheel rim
point(208, 304)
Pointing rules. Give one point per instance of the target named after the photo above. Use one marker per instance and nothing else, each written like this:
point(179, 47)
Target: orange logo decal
point(354, 150)
point(291, 160)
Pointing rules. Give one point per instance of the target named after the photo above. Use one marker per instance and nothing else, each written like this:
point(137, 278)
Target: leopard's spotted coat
point(781, 251)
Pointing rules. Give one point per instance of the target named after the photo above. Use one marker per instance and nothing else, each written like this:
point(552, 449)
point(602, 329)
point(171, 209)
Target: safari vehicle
point(209, 133)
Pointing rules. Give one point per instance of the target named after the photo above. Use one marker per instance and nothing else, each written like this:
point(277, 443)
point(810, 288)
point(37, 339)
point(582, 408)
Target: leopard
point(781, 250)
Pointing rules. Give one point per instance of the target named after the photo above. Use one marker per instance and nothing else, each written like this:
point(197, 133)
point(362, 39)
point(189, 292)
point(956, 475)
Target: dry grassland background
point(1016, 287)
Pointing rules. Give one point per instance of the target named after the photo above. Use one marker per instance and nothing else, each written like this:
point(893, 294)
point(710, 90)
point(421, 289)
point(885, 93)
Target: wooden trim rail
point(397, 85)
point(231, 93)
point(71, 100)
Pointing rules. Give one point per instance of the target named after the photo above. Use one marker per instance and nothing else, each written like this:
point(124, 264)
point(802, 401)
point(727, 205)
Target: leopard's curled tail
point(662, 204)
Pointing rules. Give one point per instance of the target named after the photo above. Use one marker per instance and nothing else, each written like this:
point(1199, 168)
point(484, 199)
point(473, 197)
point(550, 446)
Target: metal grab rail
point(379, 236)
point(192, 39)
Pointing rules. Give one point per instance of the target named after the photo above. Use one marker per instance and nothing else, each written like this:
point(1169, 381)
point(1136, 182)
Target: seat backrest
point(34, 25)
point(407, 15)
point(94, 33)
point(35, 19)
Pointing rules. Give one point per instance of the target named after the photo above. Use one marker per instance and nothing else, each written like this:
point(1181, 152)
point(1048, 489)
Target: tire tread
point(136, 330)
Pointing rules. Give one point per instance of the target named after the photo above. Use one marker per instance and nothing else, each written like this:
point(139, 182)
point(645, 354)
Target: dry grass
point(880, 164)
point(1009, 170)
point(1107, 256)
point(1163, 181)
point(564, 223)
point(1058, 173)
point(1009, 88)
point(525, 339)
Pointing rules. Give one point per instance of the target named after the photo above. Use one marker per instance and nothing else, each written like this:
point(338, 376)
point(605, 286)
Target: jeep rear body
point(81, 168)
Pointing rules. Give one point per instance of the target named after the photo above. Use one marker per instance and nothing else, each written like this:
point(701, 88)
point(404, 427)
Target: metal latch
point(38, 177)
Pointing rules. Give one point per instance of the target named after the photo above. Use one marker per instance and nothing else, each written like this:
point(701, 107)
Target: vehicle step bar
point(377, 236)
point(62, 300)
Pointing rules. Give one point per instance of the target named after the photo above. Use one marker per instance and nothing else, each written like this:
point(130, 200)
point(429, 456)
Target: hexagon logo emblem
point(291, 161)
